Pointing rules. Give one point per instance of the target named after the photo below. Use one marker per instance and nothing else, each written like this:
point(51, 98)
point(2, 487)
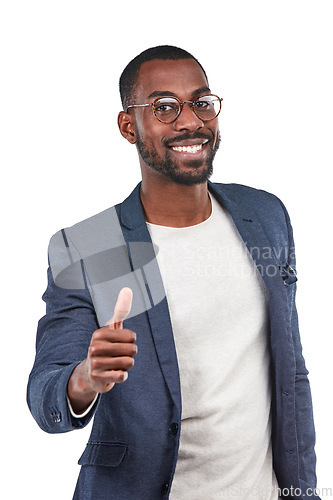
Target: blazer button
point(165, 487)
point(173, 428)
point(56, 415)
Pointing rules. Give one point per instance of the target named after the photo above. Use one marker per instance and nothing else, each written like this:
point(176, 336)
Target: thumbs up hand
point(110, 356)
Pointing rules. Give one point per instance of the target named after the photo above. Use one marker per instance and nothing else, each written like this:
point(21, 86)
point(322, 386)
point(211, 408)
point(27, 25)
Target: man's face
point(161, 146)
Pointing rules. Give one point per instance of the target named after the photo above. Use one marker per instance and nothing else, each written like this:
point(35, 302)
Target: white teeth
point(188, 149)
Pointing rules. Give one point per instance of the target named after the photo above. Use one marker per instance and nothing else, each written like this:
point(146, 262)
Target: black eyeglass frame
point(153, 104)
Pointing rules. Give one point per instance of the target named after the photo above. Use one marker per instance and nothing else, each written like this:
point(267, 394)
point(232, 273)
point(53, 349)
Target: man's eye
point(201, 104)
point(163, 108)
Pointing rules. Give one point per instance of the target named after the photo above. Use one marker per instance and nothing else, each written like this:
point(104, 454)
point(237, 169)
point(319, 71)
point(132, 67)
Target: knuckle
point(94, 364)
point(92, 350)
point(94, 375)
point(96, 334)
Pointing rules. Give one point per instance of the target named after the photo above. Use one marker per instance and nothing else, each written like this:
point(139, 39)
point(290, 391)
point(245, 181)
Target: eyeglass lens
point(206, 108)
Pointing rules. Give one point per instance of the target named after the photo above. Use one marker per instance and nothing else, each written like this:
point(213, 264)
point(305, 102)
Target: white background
point(63, 159)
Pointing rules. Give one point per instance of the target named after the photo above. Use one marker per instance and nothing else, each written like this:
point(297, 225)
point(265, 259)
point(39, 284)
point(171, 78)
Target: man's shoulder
point(88, 236)
point(259, 205)
point(241, 192)
point(95, 220)
point(107, 217)
point(261, 201)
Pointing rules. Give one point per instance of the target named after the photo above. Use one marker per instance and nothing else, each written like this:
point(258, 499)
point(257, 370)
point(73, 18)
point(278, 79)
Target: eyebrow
point(165, 93)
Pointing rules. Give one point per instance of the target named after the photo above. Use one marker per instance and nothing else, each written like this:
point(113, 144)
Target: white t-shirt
point(219, 313)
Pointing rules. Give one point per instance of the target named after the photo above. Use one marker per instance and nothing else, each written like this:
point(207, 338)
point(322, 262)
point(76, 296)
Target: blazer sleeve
point(303, 401)
point(63, 338)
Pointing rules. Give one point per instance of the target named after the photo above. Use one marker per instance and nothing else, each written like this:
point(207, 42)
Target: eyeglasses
point(167, 109)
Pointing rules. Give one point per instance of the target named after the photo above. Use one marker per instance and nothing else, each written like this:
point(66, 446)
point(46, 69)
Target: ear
point(126, 126)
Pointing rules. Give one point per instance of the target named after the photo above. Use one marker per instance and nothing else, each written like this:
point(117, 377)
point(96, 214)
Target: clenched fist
point(110, 356)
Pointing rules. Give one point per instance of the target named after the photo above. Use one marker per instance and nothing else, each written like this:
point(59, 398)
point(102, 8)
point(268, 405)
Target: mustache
point(187, 136)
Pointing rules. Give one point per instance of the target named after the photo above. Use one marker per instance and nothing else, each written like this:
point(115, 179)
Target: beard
point(200, 171)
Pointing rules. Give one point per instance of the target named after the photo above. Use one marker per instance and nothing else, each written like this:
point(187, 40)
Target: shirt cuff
point(81, 415)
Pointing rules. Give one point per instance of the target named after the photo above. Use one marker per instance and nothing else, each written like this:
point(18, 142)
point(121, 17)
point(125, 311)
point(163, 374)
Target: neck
point(174, 205)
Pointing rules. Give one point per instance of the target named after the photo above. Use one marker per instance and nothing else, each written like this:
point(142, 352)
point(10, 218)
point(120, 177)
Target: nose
point(187, 119)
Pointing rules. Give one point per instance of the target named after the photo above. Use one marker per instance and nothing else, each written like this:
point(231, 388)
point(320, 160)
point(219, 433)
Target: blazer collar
point(131, 211)
point(245, 218)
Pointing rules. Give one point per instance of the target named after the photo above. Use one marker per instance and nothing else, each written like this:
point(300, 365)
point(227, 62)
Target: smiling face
point(181, 151)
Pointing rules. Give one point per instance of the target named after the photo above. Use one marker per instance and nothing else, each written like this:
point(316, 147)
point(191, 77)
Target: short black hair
point(129, 76)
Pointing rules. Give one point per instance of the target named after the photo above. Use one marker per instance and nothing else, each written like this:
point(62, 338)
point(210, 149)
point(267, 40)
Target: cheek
point(152, 141)
point(152, 132)
point(149, 142)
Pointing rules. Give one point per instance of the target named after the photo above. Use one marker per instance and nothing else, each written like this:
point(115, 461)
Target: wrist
point(79, 390)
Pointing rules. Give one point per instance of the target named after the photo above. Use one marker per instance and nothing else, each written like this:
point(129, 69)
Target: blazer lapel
point(254, 236)
point(267, 262)
point(142, 256)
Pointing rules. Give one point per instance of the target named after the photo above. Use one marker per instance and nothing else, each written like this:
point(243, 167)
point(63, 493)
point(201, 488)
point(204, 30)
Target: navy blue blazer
point(132, 450)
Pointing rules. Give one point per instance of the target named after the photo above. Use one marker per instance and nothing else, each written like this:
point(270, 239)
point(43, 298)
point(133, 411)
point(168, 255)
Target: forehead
point(181, 77)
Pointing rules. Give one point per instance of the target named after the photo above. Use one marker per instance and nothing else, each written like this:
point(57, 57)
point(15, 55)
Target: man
point(217, 404)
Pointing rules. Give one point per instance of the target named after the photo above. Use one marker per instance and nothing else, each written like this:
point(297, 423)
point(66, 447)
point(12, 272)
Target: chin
point(189, 178)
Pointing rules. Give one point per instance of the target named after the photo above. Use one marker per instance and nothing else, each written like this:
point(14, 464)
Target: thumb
point(122, 308)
